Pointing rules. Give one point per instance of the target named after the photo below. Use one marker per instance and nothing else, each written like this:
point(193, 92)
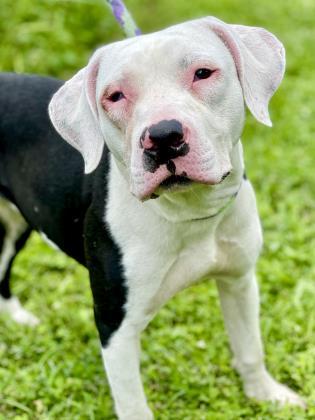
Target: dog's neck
point(200, 202)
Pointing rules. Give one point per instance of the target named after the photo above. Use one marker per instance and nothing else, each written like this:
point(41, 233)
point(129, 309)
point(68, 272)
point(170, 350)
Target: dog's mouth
point(180, 183)
point(175, 181)
point(172, 183)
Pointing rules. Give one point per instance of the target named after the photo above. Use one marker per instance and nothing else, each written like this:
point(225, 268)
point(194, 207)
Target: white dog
point(167, 112)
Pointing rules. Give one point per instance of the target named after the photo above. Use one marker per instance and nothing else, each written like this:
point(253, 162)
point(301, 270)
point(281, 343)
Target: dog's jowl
point(158, 116)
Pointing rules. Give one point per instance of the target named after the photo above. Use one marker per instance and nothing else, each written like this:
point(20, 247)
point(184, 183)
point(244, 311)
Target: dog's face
point(178, 105)
point(170, 105)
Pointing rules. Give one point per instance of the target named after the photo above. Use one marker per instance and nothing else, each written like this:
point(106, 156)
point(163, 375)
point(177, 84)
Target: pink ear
point(260, 62)
point(73, 112)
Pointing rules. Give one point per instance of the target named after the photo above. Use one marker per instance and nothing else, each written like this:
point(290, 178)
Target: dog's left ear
point(73, 112)
point(260, 63)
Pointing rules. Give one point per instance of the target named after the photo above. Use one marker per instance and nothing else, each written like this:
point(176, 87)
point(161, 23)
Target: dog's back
point(39, 172)
point(42, 180)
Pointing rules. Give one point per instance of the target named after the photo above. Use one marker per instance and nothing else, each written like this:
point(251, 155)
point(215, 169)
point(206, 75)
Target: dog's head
point(170, 105)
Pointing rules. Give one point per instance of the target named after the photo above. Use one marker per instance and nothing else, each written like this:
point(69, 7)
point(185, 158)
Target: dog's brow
point(188, 60)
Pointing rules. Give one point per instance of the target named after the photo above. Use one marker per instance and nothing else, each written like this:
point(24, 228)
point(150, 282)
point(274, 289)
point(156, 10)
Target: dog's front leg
point(119, 336)
point(240, 305)
point(121, 360)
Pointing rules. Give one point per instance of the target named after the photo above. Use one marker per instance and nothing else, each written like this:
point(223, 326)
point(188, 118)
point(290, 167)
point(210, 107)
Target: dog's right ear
point(73, 112)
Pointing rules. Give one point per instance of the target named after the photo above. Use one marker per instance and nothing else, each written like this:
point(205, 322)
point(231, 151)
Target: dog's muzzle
point(163, 142)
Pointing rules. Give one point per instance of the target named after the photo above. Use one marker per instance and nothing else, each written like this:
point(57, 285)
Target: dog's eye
point(116, 96)
point(202, 74)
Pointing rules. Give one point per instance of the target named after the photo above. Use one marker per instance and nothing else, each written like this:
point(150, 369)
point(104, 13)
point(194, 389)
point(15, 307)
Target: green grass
point(55, 371)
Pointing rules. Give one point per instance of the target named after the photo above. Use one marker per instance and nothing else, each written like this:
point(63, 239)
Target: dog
point(138, 174)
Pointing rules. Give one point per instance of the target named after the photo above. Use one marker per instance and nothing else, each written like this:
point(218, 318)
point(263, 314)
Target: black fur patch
point(171, 167)
point(104, 261)
point(44, 177)
point(5, 290)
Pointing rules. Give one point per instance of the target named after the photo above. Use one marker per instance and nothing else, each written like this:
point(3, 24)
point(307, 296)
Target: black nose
point(167, 134)
point(166, 142)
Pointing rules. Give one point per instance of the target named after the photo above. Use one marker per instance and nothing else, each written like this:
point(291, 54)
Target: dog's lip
point(170, 183)
point(175, 181)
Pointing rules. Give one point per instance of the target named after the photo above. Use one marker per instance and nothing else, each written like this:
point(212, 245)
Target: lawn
point(54, 371)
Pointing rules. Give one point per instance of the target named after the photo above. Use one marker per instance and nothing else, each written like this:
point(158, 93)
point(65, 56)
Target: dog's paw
point(15, 310)
point(24, 317)
point(266, 388)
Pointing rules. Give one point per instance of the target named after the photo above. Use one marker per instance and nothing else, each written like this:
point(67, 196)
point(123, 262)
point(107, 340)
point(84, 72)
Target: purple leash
point(124, 18)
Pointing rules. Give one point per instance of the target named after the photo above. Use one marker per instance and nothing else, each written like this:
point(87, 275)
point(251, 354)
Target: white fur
point(183, 236)
point(122, 364)
point(162, 257)
point(259, 62)
point(15, 310)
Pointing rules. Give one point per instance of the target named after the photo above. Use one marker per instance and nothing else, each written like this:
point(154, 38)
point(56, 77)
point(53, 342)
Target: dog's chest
point(165, 259)
point(161, 258)
point(193, 257)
